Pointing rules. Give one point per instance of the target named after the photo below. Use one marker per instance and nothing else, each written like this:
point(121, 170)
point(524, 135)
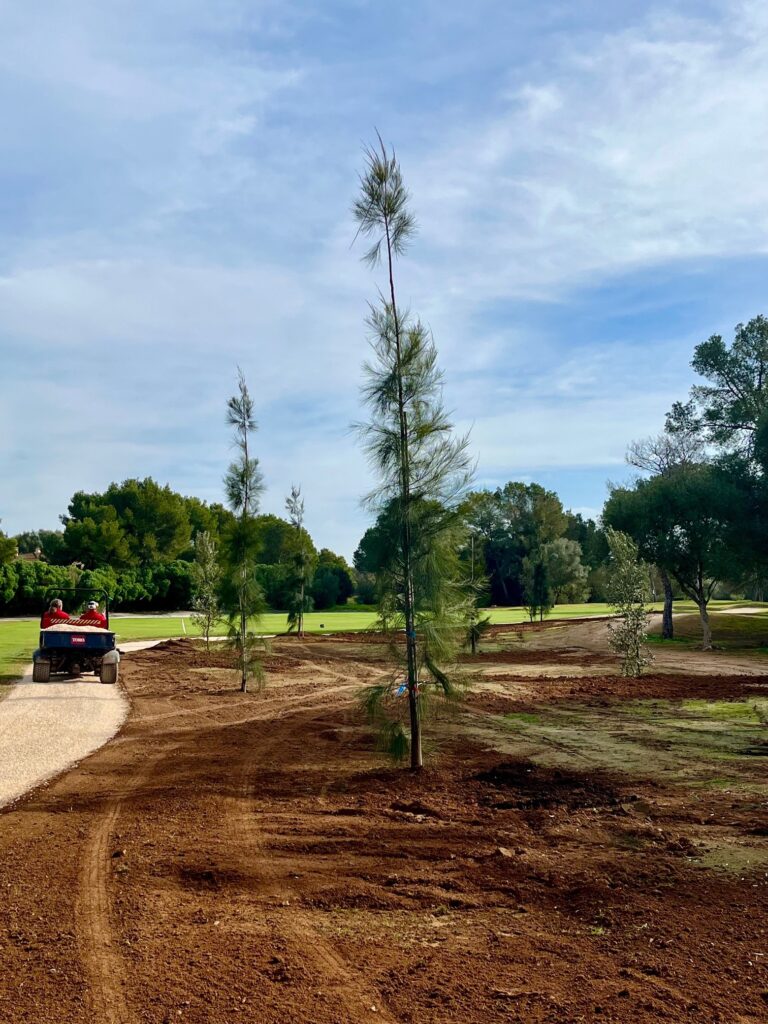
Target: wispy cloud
point(627, 150)
point(176, 181)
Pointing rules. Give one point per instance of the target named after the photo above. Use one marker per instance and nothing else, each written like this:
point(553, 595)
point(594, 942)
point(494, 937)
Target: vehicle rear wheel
point(108, 673)
point(41, 671)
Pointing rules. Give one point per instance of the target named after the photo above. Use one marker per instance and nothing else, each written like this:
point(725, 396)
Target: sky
point(589, 180)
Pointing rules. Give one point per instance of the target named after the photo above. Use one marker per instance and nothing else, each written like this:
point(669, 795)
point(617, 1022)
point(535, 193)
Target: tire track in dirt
point(353, 991)
point(99, 949)
point(270, 703)
point(98, 946)
point(101, 960)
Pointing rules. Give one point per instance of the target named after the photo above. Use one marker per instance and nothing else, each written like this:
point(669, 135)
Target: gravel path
point(47, 727)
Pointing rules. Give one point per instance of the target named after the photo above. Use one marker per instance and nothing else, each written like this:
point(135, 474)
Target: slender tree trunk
point(301, 607)
point(701, 601)
point(243, 615)
point(706, 629)
point(243, 638)
point(667, 626)
point(405, 480)
point(243, 653)
point(652, 582)
point(410, 641)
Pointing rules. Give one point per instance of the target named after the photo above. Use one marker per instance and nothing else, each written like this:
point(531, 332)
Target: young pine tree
point(421, 468)
point(299, 580)
point(537, 591)
point(243, 486)
point(477, 624)
point(626, 592)
point(206, 582)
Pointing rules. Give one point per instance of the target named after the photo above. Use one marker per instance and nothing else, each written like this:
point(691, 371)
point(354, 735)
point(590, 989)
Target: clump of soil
point(536, 786)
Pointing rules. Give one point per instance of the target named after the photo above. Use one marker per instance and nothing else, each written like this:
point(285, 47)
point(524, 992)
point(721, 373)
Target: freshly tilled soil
point(237, 857)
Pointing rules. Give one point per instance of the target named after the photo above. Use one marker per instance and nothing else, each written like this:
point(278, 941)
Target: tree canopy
point(688, 522)
point(135, 523)
point(8, 548)
point(735, 397)
point(519, 524)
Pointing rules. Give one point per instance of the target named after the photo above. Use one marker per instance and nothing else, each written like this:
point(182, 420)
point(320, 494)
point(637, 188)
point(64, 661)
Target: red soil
point(247, 858)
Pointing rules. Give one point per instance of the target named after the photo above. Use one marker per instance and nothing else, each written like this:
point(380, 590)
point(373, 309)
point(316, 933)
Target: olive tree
point(626, 592)
point(206, 583)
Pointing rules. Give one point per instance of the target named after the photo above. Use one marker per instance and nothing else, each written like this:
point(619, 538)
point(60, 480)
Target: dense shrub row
point(164, 586)
point(25, 586)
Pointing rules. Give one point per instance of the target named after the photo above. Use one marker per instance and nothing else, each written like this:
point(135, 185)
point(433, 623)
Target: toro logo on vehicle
point(78, 639)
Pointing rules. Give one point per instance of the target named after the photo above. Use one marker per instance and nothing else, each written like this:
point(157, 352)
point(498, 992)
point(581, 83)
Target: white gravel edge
point(46, 728)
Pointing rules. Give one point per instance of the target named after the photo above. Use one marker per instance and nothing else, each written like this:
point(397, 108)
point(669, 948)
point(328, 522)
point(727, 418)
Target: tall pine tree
point(421, 468)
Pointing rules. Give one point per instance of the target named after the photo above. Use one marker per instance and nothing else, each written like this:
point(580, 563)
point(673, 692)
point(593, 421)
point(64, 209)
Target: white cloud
point(631, 149)
point(179, 179)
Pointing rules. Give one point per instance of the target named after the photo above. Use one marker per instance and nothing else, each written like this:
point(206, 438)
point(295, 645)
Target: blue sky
point(589, 180)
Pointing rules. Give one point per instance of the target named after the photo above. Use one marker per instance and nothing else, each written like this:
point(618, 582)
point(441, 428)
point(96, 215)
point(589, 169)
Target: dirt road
point(248, 858)
point(47, 727)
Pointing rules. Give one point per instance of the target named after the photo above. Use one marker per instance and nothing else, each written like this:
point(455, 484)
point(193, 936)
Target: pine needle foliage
point(477, 588)
point(422, 471)
point(299, 580)
point(477, 628)
point(626, 592)
point(537, 593)
point(243, 483)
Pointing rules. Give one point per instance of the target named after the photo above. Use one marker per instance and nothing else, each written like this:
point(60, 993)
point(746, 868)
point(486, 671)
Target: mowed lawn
point(18, 637)
point(732, 627)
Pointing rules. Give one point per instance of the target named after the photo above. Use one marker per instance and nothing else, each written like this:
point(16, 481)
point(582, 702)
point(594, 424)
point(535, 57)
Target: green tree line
point(519, 541)
point(136, 540)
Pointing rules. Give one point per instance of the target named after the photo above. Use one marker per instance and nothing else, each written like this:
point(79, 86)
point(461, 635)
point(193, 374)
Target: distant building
point(30, 556)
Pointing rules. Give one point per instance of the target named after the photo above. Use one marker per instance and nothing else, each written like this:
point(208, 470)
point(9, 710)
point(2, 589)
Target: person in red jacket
point(54, 614)
point(93, 617)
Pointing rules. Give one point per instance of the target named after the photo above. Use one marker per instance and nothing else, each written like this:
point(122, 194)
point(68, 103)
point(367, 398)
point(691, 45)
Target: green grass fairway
point(504, 616)
point(18, 637)
point(729, 628)
point(17, 640)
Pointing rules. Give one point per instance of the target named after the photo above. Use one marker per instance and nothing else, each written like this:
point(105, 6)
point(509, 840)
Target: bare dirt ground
point(250, 858)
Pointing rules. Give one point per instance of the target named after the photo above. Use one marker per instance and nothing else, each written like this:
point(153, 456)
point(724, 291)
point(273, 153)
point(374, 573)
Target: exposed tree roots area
point(251, 858)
